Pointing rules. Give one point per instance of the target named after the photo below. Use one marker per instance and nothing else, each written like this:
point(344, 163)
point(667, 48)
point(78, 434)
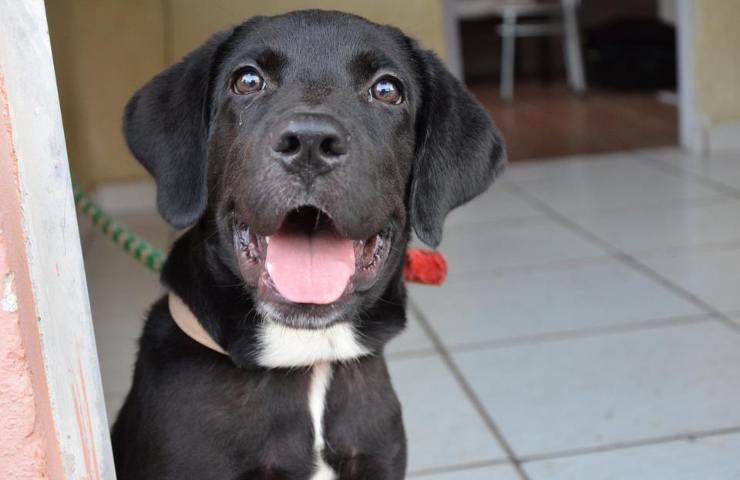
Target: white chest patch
point(285, 347)
point(321, 374)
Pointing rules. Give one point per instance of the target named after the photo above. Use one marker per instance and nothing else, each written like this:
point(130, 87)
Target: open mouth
point(307, 261)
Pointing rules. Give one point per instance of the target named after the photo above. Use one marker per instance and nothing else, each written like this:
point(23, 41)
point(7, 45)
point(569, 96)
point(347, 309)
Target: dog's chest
point(321, 376)
point(358, 432)
point(331, 421)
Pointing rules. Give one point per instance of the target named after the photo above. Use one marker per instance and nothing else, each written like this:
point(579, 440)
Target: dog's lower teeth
point(378, 247)
point(248, 242)
point(243, 237)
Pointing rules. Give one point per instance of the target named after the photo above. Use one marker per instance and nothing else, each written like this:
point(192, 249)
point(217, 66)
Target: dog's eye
point(248, 80)
point(387, 90)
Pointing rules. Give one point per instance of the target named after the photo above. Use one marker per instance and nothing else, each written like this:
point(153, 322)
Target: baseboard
point(722, 137)
point(124, 198)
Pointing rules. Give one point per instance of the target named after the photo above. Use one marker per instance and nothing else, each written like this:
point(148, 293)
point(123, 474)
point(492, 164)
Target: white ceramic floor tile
point(523, 304)
point(714, 458)
point(413, 339)
point(599, 391)
point(712, 275)
point(497, 472)
point(442, 427)
point(497, 204)
point(616, 184)
point(574, 165)
point(485, 247)
point(656, 228)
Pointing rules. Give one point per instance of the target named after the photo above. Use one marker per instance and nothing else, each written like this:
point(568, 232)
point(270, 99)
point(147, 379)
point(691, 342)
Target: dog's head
point(313, 141)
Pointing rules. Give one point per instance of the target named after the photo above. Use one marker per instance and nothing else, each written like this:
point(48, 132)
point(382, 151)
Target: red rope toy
point(424, 266)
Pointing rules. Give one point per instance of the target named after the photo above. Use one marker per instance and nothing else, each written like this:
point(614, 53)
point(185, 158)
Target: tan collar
point(189, 324)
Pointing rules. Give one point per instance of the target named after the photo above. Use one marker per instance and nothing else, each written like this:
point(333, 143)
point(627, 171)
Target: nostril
point(332, 146)
point(288, 144)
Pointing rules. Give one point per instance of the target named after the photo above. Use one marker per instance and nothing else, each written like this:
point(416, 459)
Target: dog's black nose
point(309, 144)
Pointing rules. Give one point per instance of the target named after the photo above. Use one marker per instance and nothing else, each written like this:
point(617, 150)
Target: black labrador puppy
point(300, 150)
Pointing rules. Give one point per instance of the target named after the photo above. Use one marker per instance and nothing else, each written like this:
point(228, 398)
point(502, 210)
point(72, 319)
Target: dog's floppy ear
point(166, 127)
point(458, 153)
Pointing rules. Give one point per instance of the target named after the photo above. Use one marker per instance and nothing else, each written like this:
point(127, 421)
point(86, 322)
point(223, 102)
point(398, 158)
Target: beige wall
point(192, 21)
point(717, 59)
point(105, 49)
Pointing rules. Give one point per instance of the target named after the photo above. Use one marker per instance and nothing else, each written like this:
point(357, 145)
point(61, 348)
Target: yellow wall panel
point(103, 51)
point(190, 22)
point(717, 59)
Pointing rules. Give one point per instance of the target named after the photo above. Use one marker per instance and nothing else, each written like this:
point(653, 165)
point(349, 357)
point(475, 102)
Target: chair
point(560, 20)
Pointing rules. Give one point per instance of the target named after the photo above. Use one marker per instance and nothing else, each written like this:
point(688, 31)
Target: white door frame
point(689, 127)
point(453, 42)
point(52, 243)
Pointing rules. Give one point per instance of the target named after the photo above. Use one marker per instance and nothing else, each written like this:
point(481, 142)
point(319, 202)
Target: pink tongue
point(310, 268)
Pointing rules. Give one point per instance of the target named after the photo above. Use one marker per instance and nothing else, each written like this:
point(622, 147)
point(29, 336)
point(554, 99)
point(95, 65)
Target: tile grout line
point(410, 354)
point(467, 389)
point(531, 219)
point(716, 198)
point(680, 172)
point(715, 246)
point(524, 220)
point(456, 468)
point(571, 264)
point(627, 259)
point(643, 325)
point(681, 437)
point(680, 291)
point(527, 269)
point(539, 339)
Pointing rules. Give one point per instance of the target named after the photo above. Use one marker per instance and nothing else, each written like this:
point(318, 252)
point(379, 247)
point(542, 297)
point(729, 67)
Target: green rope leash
point(143, 251)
